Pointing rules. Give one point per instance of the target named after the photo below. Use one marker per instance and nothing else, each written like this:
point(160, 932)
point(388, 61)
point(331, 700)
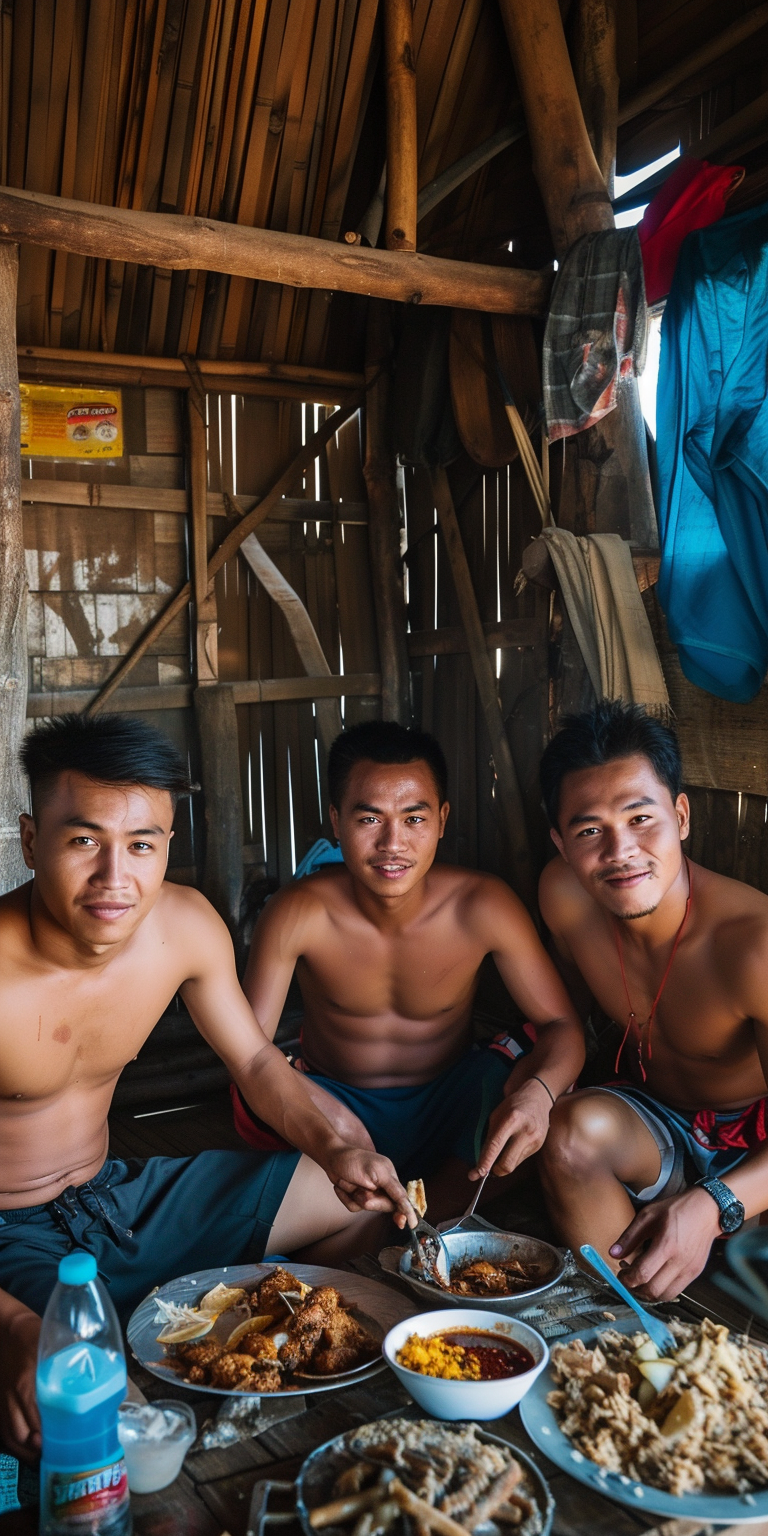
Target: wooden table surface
point(212, 1496)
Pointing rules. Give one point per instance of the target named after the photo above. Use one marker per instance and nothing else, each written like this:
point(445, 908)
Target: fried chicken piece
point(230, 1371)
point(344, 1345)
point(305, 1328)
point(267, 1297)
point(266, 1378)
point(258, 1345)
point(197, 1359)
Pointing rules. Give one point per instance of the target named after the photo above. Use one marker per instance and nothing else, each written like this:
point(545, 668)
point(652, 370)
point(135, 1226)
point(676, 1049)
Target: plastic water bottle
point(81, 1382)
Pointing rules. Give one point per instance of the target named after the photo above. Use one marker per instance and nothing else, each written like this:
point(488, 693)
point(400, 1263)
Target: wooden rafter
point(168, 240)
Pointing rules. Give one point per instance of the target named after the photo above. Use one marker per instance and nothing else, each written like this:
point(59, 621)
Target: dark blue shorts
point(148, 1221)
point(418, 1128)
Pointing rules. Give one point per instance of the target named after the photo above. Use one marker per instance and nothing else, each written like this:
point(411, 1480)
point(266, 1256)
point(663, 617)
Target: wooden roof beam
point(299, 261)
point(66, 365)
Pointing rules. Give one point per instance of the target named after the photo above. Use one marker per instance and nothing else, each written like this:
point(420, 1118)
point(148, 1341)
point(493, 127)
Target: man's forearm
point(749, 1182)
point(278, 1095)
point(557, 1058)
point(12, 1312)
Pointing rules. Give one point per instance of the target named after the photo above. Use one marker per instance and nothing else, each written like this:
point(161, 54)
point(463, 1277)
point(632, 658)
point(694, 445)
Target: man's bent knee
point(582, 1131)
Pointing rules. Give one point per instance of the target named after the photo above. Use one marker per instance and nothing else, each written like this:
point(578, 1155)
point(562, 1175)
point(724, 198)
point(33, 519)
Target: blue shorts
point(418, 1128)
point(148, 1221)
point(685, 1157)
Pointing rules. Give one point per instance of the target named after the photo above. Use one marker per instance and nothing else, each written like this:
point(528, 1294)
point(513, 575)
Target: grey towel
point(596, 329)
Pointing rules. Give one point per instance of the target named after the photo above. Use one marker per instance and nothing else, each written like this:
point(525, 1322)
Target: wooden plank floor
point(178, 1131)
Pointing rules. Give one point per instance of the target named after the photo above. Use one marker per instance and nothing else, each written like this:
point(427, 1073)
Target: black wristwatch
point(731, 1210)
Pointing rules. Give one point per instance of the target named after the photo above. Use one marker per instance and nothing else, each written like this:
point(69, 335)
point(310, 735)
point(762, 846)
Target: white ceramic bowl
point(465, 1399)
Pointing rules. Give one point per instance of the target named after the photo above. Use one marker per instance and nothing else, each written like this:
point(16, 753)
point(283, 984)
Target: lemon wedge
point(221, 1299)
point(181, 1333)
point(251, 1325)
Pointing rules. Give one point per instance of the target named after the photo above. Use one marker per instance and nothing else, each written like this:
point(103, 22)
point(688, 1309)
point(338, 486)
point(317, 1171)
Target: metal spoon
point(454, 1224)
point(662, 1336)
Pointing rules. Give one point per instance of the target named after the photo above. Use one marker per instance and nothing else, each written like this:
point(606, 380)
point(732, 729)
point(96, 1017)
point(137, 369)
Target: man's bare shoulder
point(736, 916)
point(562, 899)
point(14, 918)
point(479, 899)
point(312, 897)
point(185, 916)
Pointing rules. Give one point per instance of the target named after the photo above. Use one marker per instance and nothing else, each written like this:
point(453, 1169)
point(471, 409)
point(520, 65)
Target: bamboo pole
point(402, 148)
point(569, 178)
point(384, 522)
point(13, 586)
point(65, 365)
point(606, 483)
point(229, 546)
point(597, 79)
point(170, 240)
point(510, 799)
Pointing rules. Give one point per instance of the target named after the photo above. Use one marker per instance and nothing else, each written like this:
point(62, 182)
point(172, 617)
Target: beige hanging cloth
point(603, 602)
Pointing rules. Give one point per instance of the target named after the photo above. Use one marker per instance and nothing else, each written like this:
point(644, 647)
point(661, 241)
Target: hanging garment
point(595, 330)
point(693, 196)
point(602, 598)
point(712, 425)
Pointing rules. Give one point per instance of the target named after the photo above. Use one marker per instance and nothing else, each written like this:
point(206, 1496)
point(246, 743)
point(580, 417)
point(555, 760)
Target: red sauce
point(496, 1355)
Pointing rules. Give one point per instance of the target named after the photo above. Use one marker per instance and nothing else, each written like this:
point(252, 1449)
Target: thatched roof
point(271, 113)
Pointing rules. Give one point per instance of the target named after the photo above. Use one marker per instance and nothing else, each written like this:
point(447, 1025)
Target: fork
point(455, 1224)
point(431, 1253)
point(662, 1336)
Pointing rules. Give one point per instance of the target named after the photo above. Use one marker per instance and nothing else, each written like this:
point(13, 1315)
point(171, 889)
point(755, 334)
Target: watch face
point(732, 1217)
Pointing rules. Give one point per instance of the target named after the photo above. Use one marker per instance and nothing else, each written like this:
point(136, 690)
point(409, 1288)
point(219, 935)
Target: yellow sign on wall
point(71, 423)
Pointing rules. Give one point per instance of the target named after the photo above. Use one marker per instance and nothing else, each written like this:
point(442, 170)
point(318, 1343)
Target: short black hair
point(110, 749)
point(384, 741)
point(609, 731)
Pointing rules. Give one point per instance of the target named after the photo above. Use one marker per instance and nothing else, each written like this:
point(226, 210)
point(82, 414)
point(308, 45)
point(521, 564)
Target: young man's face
point(99, 852)
point(621, 831)
point(389, 824)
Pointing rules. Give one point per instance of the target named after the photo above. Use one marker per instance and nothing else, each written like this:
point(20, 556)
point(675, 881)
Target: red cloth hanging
point(693, 196)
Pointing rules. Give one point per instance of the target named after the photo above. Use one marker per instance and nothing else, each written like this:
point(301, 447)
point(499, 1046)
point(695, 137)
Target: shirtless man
point(92, 950)
point(387, 948)
point(679, 957)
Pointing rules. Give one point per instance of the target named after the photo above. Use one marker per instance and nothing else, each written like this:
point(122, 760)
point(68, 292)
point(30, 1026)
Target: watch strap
point(723, 1196)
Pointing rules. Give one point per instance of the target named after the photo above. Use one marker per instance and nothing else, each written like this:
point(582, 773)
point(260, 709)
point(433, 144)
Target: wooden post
point(564, 163)
point(205, 649)
point(510, 800)
point(13, 587)
point(606, 485)
point(384, 521)
point(402, 149)
point(214, 707)
point(220, 772)
point(597, 79)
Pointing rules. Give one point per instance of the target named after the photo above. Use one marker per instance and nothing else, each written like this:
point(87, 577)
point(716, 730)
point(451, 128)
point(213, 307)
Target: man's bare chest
point(56, 1031)
point(415, 975)
point(692, 1013)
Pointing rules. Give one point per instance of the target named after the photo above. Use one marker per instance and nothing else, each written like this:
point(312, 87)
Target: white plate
point(541, 1423)
point(368, 1297)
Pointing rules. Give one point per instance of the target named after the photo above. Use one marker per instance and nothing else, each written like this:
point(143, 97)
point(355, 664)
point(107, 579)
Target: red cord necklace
point(632, 1017)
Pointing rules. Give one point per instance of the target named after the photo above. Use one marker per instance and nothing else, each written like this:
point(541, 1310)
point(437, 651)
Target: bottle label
point(75, 1500)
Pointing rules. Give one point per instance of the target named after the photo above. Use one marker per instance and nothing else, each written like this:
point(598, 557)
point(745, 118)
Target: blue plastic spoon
point(662, 1336)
